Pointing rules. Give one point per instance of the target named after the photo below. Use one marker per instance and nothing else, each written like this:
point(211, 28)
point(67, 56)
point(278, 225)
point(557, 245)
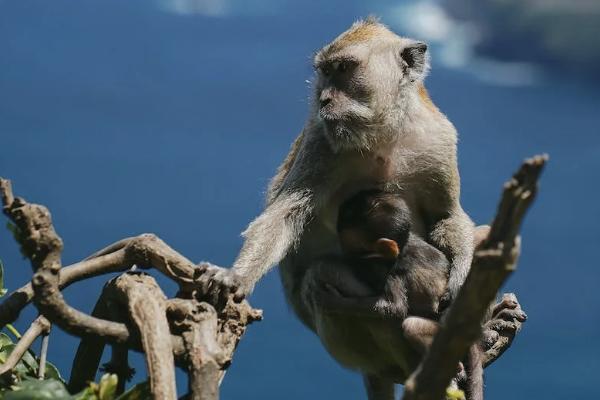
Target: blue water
point(123, 119)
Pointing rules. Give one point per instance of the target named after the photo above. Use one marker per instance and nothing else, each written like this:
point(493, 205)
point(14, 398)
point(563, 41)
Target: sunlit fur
point(371, 126)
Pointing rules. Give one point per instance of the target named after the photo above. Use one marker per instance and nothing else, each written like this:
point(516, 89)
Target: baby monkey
point(409, 274)
point(374, 233)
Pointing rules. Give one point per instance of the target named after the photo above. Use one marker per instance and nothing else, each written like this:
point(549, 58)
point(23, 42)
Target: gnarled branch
point(493, 262)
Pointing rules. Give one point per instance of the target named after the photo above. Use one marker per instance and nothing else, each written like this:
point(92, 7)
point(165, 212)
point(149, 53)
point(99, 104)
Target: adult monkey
point(372, 126)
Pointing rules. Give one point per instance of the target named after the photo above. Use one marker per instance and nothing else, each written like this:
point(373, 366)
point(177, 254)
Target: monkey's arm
point(282, 172)
point(302, 189)
point(270, 236)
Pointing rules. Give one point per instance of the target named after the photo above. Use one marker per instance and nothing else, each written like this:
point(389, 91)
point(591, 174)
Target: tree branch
point(493, 262)
point(147, 308)
point(209, 338)
point(18, 299)
point(38, 327)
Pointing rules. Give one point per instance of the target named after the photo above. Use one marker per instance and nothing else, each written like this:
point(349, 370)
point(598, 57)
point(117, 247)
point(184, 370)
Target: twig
point(43, 355)
point(38, 327)
point(492, 264)
point(13, 330)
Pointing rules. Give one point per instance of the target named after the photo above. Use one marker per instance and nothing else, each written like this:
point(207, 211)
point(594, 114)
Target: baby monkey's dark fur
point(411, 275)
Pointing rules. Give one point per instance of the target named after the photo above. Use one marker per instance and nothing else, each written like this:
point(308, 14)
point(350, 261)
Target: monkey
point(411, 274)
point(371, 125)
point(374, 235)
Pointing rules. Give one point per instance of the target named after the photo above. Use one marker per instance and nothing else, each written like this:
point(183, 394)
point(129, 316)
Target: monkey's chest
point(359, 172)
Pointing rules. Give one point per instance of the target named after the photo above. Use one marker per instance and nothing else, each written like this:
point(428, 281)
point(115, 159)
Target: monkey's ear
point(416, 60)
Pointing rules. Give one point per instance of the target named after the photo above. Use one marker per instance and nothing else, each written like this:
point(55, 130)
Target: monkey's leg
point(420, 332)
point(379, 388)
point(454, 236)
point(502, 327)
point(331, 286)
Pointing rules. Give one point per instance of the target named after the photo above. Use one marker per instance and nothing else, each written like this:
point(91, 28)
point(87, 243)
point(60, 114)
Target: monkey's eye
point(323, 69)
point(343, 66)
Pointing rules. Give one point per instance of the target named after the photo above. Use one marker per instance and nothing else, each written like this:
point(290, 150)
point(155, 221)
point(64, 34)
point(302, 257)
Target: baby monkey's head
point(373, 224)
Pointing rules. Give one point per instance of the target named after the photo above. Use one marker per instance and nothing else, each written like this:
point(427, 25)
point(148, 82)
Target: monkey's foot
point(499, 332)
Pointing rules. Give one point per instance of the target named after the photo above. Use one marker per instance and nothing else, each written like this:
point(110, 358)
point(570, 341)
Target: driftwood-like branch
point(147, 308)
point(197, 324)
point(493, 262)
point(210, 339)
point(204, 339)
point(38, 327)
point(18, 299)
point(142, 250)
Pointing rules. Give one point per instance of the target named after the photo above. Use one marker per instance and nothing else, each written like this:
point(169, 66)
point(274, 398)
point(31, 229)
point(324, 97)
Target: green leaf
point(33, 389)
point(26, 367)
point(141, 391)
point(52, 372)
point(108, 386)
point(2, 288)
point(4, 340)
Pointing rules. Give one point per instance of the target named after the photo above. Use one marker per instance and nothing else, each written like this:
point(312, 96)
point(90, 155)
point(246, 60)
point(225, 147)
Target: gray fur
point(371, 128)
point(333, 160)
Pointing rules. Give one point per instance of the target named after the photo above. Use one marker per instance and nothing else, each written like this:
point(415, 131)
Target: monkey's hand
point(216, 285)
point(499, 332)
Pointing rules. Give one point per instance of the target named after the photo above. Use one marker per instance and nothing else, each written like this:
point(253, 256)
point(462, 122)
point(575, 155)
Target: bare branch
point(493, 262)
point(17, 300)
point(6, 192)
point(43, 355)
point(40, 242)
point(209, 338)
point(38, 327)
point(197, 323)
point(36, 235)
point(147, 308)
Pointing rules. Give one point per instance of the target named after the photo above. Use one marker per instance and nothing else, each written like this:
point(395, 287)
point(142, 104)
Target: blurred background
point(170, 116)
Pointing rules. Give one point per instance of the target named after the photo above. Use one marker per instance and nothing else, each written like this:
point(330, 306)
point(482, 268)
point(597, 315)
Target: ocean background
point(170, 117)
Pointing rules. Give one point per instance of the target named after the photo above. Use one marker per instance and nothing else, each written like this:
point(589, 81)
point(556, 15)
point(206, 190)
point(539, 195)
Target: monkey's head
point(362, 77)
point(373, 224)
